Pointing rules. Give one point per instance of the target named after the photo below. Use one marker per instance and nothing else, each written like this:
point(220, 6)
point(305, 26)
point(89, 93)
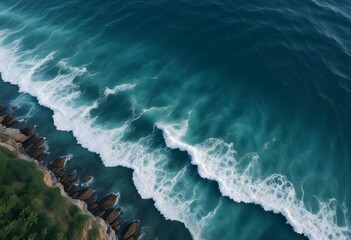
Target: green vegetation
point(29, 209)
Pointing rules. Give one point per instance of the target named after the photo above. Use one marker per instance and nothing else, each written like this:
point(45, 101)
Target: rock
point(92, 199)
point(92, 207)
point(28, 130)
point(117, 227)
point(86, 194)
point(73, 173)
point(7, 119)
point(74, 189)
point(114, 223)
point(61, 173)
point(40, 142)
point(13, 122)
point(37, 152)
point(108, 201)
point(14, 107)
point(42, 157)
point(31, 139)
point(2, 108)
point(74, 179)
point(67, 188)
point(131, 229)
point(97, 212)
point(87, 180)
point(19, 137)
point(59, 162)
point(111, 215)
point(137, 236)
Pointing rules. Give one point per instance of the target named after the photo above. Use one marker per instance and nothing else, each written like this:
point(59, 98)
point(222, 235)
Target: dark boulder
point(108, 201)
point(59, 162)
point(131, 229)
point(111, 215)
point(42, 157)
point(28, 130)
point(40, 142)
point(92, 199)
point(98, 213)
point(86, 194)
point(92, 206)
point(32, 139)
point(87, 180)
point(137, 236)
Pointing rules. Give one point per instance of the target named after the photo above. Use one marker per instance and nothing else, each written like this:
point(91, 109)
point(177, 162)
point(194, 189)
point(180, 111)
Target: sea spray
point(214, 158)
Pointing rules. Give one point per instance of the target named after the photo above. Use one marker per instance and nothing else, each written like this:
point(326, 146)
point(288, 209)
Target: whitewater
point(214, 158)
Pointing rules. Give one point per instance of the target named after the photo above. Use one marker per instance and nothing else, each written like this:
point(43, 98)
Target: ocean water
point(212, 119)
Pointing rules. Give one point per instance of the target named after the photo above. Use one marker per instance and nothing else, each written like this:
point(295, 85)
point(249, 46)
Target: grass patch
point(29, 209)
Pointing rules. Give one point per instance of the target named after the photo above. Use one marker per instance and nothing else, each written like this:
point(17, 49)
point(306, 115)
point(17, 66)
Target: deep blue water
point(213, 119)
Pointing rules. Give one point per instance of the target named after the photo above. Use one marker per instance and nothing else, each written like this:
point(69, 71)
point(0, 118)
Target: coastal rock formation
point(131, 229)
point(27, 142)
point(86, 194)
point(28, 130)
point(107, 202)
point(59, 162)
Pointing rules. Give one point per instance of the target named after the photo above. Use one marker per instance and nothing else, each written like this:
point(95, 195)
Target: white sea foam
point(214, 158)
point(216, 161)
point(118, 88)
point(60, 95)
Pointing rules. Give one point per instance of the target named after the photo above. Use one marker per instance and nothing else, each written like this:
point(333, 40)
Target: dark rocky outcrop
point(86, 194)
point(133, 227)
point(108, 201)
point(34, 146)
point(28, 130)
point(111, 215)
point(59, 162)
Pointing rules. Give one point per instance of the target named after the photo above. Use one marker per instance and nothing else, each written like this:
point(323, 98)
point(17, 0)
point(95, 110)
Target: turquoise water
point(213, 120)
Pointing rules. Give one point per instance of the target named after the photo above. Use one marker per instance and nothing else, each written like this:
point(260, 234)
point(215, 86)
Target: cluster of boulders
point(31, 144)
point(35, 146)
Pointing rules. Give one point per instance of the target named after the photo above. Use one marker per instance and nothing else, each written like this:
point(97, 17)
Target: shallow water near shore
point(210, 115)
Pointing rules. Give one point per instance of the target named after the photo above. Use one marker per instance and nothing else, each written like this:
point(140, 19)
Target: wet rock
point(2, 109)
point(28, 130)
point(74, 190)
point(59, 162)
point(117, 228)
point(67, 188)
point(111, 215)
point(87, 180)
point(37, 152)
point(32, 139)
point(73, 173)
point(86, 194)
point(74, 179)
point(131, 229)
point(92, 207)
point(42, 157)
point(40, 142)
point(92, 199)
point(60, 173)
point(137, 236)
point(98, 212)
point(108, 201)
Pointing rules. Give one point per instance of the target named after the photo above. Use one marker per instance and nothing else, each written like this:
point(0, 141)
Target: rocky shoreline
point(31, 145)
